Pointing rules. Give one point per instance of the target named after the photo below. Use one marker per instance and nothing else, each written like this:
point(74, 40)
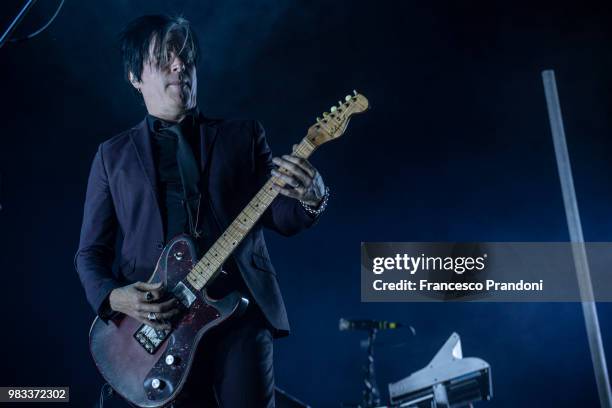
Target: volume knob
point(155, 383)
point(170, 359)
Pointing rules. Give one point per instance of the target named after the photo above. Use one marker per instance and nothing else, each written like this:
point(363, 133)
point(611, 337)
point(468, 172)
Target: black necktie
point(190, 176)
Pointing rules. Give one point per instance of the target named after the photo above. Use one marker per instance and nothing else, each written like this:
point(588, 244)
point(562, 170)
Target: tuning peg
point(340, 103)
point(347, 98)
point(354, 92)
point(318, 119)
point(333, 109)
point(325, 114)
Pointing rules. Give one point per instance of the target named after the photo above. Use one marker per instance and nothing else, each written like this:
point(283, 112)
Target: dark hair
point(168, 34)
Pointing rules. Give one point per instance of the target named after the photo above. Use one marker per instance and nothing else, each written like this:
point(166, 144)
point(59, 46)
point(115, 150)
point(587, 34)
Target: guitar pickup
point(149, 338)
point(184, 294)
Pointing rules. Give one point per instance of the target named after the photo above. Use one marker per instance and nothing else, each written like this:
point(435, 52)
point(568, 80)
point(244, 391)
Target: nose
point(177, 64)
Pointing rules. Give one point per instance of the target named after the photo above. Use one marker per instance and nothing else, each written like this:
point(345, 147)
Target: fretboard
point(209, 266)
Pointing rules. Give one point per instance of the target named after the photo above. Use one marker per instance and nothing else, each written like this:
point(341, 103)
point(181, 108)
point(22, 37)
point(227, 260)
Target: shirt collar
point(189, 122)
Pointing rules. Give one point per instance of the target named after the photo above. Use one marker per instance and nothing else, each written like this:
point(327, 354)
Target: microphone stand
point(6, 35)
point(22, 13)
point(371, 395)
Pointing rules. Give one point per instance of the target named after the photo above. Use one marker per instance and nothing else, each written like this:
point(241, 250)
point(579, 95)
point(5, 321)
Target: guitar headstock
point(334, 123)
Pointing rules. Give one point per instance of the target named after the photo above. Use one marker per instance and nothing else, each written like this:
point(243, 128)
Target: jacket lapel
point(142, 142)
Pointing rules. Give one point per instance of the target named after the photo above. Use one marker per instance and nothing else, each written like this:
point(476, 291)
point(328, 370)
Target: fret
point(306, 146)
point(228, 236)
point(201, 275)
point(235, 234)
point(256, 204)
point(221, 244)
point(243, 224)
point(230, 241)
point(205, 261)
point(205, 276)
point(193, 281)
point(268, 191)
point(263, 202)
point(196, 273)
point(240, 227)
point(224, 242)
point(215, 259)
point(249, 218)
point(250, 215)
point(251, 211)
point(200, 271)
point(198, 277)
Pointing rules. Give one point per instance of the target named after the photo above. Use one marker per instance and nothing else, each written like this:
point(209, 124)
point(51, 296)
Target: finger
point(158, 307)
point(144, 319)
point(293, 193)
point(155, 295)
point(287, 164)
point(295, 170)
point(291, 180)
point(291, 163)
point(148, 286)
point(155, 324)
point(167, 315)
point(302, 163)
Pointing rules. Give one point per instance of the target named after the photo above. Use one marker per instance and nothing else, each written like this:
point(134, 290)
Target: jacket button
point(160, 245)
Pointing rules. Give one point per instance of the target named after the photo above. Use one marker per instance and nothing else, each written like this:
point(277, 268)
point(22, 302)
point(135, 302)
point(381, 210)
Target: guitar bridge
point(149, 338)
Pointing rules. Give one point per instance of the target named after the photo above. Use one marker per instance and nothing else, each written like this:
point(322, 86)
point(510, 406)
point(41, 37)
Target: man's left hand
point(302, 180)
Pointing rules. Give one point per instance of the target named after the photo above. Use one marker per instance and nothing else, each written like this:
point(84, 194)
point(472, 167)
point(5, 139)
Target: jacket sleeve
point(285, 215)
point(94, 258)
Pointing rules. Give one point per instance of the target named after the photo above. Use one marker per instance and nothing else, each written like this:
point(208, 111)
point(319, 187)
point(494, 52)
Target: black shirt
point(171, 195)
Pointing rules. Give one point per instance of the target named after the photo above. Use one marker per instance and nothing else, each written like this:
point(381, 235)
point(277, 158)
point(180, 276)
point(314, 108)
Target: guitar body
point(147, 367)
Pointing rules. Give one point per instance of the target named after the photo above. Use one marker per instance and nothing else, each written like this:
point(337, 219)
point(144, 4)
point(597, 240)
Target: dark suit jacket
point(122, 200)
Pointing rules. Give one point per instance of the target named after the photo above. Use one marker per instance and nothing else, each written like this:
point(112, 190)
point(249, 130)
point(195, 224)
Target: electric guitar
point(149, 367)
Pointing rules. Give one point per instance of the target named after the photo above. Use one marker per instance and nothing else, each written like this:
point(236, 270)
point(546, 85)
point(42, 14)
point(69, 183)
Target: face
point(168, 90)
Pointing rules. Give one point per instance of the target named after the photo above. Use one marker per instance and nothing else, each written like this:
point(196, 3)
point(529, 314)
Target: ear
point(135, 83)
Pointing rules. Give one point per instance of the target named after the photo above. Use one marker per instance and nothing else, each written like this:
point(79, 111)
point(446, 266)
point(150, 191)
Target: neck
point(177, 117)
point(169, 115)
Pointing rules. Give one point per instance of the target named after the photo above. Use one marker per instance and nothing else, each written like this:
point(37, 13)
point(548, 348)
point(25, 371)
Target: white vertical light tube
point(589, 309)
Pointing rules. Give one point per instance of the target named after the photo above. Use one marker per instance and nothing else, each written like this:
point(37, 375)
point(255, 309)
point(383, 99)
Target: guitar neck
point(209, 266)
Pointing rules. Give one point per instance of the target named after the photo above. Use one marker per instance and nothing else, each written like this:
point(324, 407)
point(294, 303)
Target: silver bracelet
point(318, 209)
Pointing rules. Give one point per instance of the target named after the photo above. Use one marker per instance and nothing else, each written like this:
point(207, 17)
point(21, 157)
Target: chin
point(178, 102)
point(181, 98)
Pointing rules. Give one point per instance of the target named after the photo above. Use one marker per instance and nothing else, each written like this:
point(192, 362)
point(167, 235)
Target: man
point(180, 172)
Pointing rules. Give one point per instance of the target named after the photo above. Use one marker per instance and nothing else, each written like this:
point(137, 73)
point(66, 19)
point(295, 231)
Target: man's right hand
point(132, 301)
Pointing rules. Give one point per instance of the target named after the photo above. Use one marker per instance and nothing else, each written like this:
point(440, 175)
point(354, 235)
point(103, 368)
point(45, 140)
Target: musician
point(178, 171)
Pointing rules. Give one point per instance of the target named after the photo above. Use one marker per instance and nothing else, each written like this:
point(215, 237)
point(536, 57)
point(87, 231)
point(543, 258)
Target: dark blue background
point(456, 147)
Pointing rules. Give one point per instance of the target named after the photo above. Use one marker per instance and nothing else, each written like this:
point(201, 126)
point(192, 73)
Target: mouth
point(179, 84)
